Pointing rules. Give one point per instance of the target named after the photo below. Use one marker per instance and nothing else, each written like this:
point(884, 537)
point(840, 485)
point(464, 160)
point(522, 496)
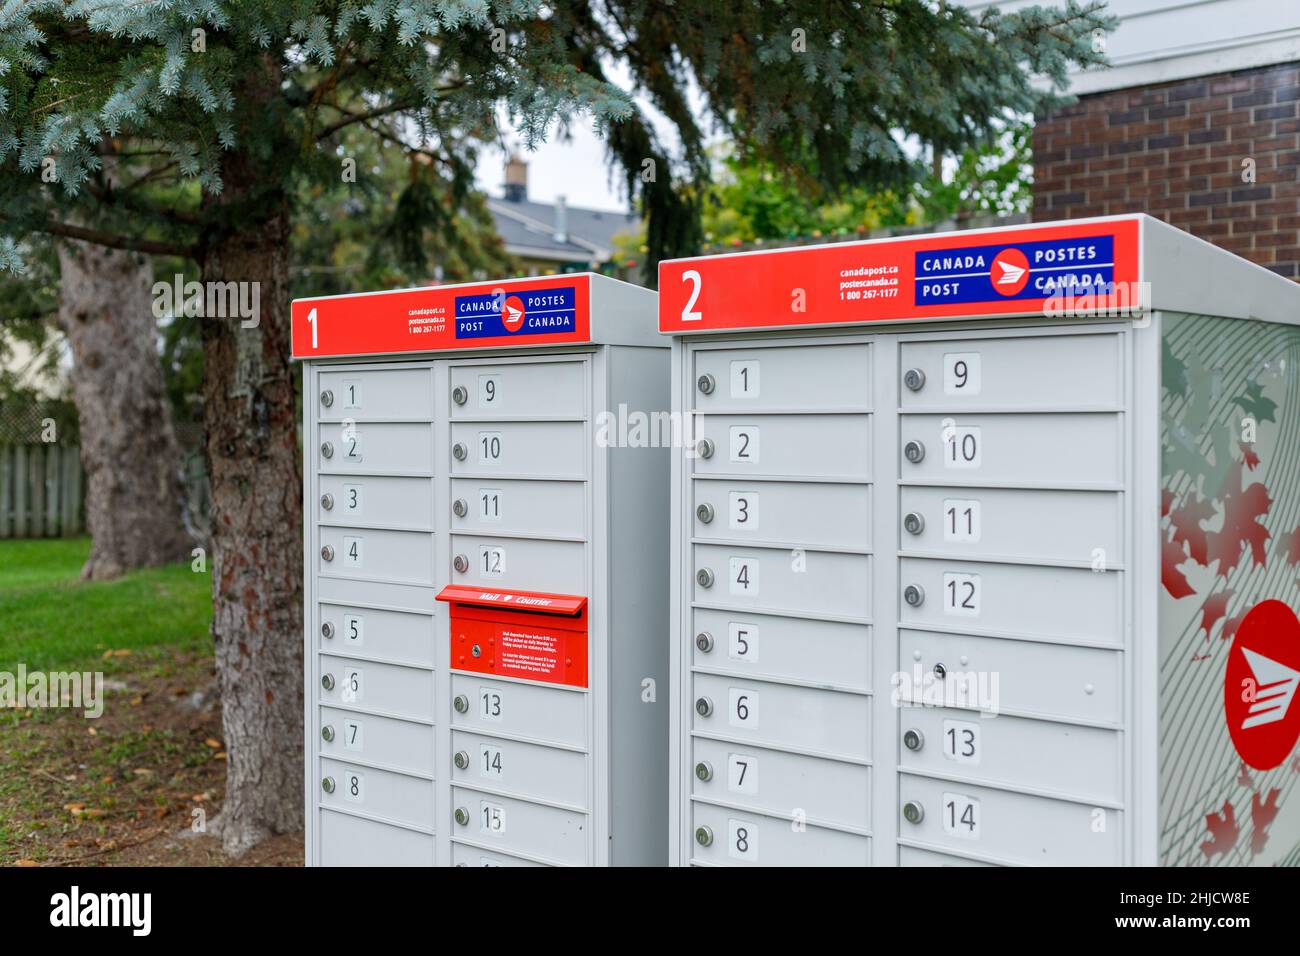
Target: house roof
point(528, 228)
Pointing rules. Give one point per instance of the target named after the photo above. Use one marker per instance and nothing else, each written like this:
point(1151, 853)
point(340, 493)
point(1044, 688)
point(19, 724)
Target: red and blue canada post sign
point(1089, 266)
point(550, 311)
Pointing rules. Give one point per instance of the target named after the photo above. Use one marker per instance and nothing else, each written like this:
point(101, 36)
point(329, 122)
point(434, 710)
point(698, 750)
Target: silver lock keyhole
point(914, 452)
point(914, 595)
point(460, 507)
point(461, 703)
point(913, 739)
point(327, 552)
point(706, 384)
point(705, 513)
point(460, 395)
point(703, 836)
point(459, 451)
point(913, 812)
point(461, 760)
point(460, 563)
point(914, 379)
point(327, 449)
point(704, 577)
point(327, 733)
point(704, 448)
point(940, 671)
point(704, 641)
point(704, 771)
point(913, 522)
point(704, 706)
point(327, 501)
point(327, 630)
point(327, 398)
point(327, 681)
point(327, 784)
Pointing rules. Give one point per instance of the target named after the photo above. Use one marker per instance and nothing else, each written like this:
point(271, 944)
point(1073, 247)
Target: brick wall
point(1175, 151)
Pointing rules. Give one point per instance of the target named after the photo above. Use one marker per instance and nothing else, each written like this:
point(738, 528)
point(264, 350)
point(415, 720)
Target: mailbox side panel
point(1230, 544)
point(637, 514)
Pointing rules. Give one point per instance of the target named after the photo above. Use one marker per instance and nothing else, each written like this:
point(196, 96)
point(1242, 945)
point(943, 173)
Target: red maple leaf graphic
point(1223, 830)
point(1262, 813)
point(1175, 582)
point(1231, 624)
point(1291, 547)
point(1241, 527)
point(1186, 522)
point(1248, 456)
point(1243, 777)
point(1166, 501)
point(1215, 607)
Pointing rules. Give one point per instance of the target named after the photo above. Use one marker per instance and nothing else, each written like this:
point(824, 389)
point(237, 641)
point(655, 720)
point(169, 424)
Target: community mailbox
point(485, 576)
point(986, 550)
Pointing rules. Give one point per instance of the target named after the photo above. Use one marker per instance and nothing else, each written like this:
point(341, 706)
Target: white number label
point(352, 551)
point(961, 447)
point(742, 773)
point(744, 379)
point(742, 510)
point(489, 448)
point(492, 560)
point(489, 504)
point(742, 707)
point(354, 787)
point(742, 641)
point(351, 444)
point(489, 390)
point(961, 816)
point(743, 576)
point(744, 444)
point(742, 840)
point(490, 761)
point(354, 629)
point(961, 519)
point(312, 321)
point(352, 499)
point(961, 741)
point(961, 594)
point(492, 819)
point(351, 393)
point(961, 373)
point(352, 686)
point(688, 310)
point(489, 701)
point(352, 738)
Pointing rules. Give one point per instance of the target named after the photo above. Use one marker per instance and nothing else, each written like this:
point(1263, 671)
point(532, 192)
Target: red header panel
point(555, 310)
point(522, 601)
point(1001, 272)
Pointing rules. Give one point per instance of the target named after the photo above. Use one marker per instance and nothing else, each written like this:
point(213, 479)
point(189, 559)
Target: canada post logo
point(1023, 270)
point(516, 312)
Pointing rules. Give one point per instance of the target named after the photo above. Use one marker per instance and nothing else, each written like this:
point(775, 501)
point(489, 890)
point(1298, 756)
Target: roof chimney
point(516, 179)
point(561, 220)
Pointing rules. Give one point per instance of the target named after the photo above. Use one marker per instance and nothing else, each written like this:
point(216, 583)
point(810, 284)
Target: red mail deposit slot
point(524, 634)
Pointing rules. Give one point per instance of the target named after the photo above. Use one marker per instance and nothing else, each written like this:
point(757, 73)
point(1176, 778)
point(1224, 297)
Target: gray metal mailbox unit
point(485, 571)
point(985, 551)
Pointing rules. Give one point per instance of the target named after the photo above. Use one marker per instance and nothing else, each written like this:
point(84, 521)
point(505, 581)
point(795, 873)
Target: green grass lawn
point(50, 619)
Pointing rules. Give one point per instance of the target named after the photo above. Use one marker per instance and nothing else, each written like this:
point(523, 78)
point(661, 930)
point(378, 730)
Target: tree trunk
point(256, 476)
point(135, 498)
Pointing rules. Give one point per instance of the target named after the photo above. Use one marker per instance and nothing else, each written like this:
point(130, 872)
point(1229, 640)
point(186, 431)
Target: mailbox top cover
point(1083, 268)
point(571, 309)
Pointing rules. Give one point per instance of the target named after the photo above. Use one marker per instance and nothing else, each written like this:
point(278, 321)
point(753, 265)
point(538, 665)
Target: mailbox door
point(520, 459)
point(371, 707)
point(776, 575)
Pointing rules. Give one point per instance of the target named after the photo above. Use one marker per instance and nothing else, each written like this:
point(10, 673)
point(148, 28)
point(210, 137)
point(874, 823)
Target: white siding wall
point(1162, 40)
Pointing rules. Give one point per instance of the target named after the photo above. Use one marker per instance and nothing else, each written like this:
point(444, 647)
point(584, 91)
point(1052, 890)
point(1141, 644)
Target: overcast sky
point(578, 170)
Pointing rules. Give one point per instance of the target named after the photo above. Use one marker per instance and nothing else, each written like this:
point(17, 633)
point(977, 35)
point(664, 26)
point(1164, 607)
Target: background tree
point(249, 100)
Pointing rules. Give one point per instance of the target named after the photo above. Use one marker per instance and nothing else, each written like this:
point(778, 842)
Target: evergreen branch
point(113, 241)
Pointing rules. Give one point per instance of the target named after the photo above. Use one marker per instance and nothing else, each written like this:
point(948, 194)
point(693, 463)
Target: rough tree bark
point(256, 477)
point(135, 498)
